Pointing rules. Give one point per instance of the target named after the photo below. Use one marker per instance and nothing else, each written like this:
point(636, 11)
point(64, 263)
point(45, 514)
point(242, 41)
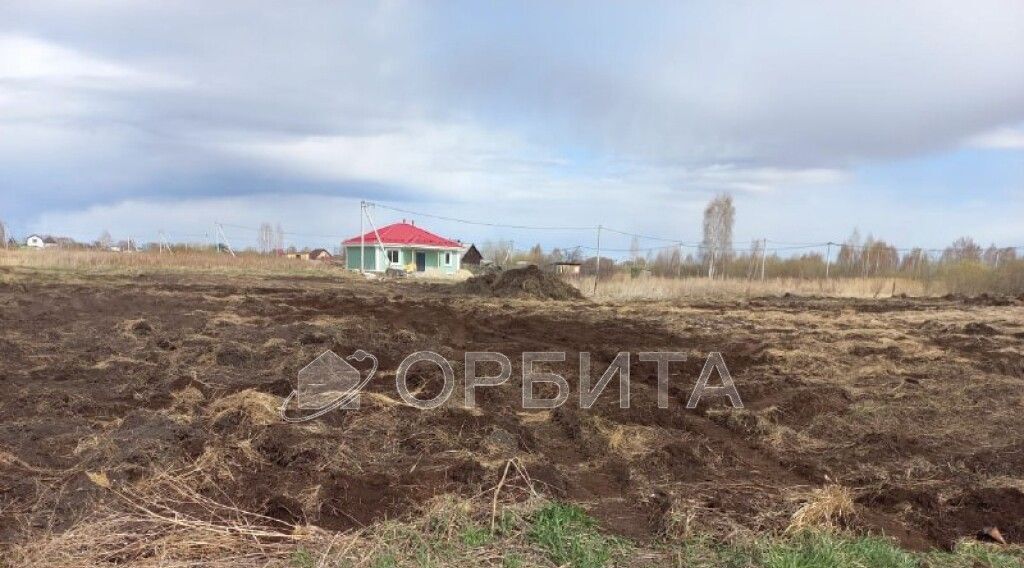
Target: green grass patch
point(822, 550)
point(475, 536)
point(830, 550)
point(303, 559)
point(569, 536)
point(563, 535)
point(975, 555)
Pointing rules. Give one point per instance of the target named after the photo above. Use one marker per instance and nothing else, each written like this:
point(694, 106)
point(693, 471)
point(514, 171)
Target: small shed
point(472, 256)
point(568, 268)
point(320, 254)
point(40, 241)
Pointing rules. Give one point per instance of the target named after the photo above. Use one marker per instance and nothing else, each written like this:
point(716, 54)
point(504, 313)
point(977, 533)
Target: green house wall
point(353, 254)
point(407, 256)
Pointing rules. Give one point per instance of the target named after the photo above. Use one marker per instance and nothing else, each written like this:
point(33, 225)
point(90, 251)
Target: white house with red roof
point(402, 246)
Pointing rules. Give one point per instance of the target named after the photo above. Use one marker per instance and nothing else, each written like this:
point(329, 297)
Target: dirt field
point(914, 405)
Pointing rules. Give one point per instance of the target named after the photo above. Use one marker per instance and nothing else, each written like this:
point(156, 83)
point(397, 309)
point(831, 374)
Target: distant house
point(568, 268)
point(402, 246)
point(472, 256)
point(320, 254)
point(40, 241)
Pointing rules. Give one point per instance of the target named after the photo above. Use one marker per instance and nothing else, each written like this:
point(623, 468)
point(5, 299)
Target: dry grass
point(830, 507)
point(88, 261)
point(254, 407)
point(623, 287)
point(164, 522)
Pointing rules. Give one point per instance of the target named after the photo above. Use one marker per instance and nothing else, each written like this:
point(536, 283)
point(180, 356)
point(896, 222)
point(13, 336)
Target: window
point(393, 256)
point(447, 259)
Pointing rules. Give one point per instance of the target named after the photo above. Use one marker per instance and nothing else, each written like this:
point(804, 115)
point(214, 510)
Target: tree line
point(965, 263)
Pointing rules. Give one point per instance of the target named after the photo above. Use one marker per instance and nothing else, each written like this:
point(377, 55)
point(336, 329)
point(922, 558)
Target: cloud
point(999, 139)
point(28, 59)
point(590, 110)
point(773, 83)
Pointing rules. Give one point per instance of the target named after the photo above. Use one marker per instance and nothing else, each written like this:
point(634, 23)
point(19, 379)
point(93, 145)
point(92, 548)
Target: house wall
point(435, 261)
point(353, 256)
point(407, 259)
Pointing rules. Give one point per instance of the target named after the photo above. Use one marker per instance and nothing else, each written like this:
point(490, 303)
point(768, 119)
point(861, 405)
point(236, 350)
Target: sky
point(904, 119)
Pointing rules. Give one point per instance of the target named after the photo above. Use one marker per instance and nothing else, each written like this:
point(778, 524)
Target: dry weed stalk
point(521, 472)
point(165, 522)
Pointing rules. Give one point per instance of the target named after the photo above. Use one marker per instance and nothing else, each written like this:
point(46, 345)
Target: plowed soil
point(915, 405)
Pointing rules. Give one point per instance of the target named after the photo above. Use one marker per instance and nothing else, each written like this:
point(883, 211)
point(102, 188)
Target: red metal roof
point(404, 234)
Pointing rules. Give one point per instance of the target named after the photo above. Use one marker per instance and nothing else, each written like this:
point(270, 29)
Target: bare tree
point(265, 237)
point(634, 250)
point(3, 233)
point(719, 217)
point(914, 261)
point(536, 255)
point(850, 252)
point(278, 238)
point(498, 252)
point(880, 257)
point(756, 251)
point(105, 240)
point(665, 262)
point(963, 249)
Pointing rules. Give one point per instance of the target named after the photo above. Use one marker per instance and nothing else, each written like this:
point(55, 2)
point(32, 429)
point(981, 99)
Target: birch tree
point(105, 240)
point(719, 216)
point(265, 237)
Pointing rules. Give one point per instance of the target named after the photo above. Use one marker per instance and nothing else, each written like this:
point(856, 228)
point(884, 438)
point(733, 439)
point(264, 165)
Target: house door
point(421, 261)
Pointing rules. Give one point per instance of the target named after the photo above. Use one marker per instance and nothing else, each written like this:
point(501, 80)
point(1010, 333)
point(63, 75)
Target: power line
point(479, 223)
point(673, 243)
point(294, 234)
point(641, 236)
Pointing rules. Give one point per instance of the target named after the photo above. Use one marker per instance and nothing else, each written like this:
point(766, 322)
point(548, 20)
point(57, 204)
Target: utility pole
point(164, 243)
point(828, 258)
point(380, 242)
point(221, 235)
point(679, 264)
point(597, 269)
point(362, 239)
point(764, 253)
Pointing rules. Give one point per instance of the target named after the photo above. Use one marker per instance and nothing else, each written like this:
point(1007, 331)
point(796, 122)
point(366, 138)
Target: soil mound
point(529, 282)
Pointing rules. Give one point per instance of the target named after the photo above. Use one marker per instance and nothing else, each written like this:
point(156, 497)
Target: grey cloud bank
point(108, 104)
